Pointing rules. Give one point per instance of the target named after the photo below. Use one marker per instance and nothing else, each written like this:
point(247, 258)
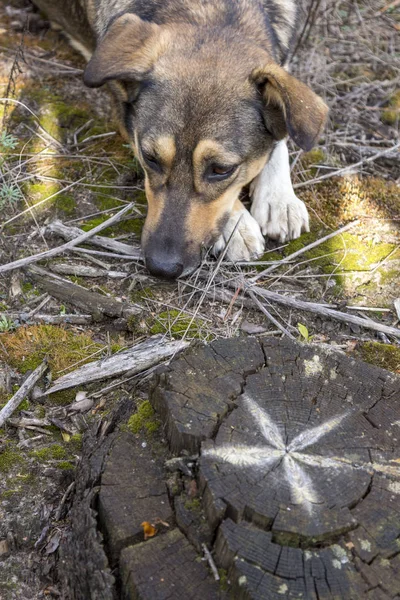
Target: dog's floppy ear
point(127, 51)
point(291, 103)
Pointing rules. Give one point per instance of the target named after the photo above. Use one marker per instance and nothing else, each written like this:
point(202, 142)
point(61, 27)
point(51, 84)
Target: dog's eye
point(219, 172)
point(151, 161)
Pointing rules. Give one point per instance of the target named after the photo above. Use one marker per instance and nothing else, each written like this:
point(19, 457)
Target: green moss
point(347, 252)
point(193, 504)
point(40, 412)
point(268, 257)
point(343, 199)
point(88, 225)
point(65, 465)
point(53, 452)
point(36, 192)
point(10, 458)
point(66, 204)
point(24, 405)
point(25, 348)
point(139, 296)
point(310, 159)
point(381, 355)
point(132, 225)
point(223, 580)
point(178, 324)
point(76, 442)
point(143, 419)
point(63, 398)
point(391, 114)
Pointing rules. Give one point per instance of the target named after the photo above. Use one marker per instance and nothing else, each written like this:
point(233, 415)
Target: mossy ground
point(179, 324)
point(25, 348)
point(144, 420)
point(381, 355)
point(391, 114)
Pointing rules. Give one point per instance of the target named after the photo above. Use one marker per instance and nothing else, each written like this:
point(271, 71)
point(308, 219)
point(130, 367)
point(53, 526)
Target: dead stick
point(302, 250)
point(326, 312)
point(211, 562)
point(268, 315)
point(23, 391)
point(71, 293)
point(134, 360)
point(348, 168)
point(71, 233)
point(71, 319)
point(23, 262)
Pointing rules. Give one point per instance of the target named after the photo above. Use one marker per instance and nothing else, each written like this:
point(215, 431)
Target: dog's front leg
point(275, 206)
point(247, 241)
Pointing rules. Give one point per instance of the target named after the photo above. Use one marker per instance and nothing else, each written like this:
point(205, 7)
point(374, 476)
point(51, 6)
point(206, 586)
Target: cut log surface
point(132, 492)
point(166, 567)
point(299, 466)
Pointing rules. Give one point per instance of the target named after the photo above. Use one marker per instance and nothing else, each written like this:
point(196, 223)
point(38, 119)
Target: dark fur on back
point(271, 22)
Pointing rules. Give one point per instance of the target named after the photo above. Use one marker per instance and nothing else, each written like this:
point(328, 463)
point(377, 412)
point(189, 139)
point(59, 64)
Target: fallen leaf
point(303, 331)
point(349, 545)
point(148, 530)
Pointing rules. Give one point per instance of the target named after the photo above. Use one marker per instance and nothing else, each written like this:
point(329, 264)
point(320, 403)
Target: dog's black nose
point(165, 267)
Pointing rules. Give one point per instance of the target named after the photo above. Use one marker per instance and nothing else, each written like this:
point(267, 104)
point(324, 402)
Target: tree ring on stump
point(299, 465)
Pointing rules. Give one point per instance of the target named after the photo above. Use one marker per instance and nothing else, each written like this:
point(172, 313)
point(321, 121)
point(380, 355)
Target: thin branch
point(22, 393)
point(23, 262)
point(326, 312)
point(347, 169)
point(302, 250)
point(268, 315)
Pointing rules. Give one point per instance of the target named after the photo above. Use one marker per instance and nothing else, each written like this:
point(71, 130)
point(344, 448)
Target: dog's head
point(203, 113)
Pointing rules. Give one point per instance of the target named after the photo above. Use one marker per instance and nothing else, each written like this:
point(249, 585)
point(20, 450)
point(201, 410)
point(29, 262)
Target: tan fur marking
point(154, 211)
point(202, 223)
point(163, 147)
point(203, 219)
point(208, 149)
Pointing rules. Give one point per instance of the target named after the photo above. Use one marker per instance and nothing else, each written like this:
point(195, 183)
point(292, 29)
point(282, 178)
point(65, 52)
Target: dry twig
point(23, 262)
point(22, 393)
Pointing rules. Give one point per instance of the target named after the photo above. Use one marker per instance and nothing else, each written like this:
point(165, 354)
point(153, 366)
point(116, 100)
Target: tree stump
point(299, 465)
point(292, 455)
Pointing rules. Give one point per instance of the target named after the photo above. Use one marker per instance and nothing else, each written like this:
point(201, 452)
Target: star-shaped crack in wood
point(290, 457)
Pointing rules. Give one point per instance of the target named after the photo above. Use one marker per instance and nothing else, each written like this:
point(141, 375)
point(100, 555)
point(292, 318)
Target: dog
point(205, 99)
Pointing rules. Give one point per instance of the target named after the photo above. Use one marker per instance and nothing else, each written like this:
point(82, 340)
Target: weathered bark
point(97, 305)
point(134, 360)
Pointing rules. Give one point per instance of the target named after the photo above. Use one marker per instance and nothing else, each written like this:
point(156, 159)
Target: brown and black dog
point(206, 102)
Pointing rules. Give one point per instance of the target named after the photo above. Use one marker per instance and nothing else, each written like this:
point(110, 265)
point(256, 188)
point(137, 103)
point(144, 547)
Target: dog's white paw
point(246, 243)
point(281, 217)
